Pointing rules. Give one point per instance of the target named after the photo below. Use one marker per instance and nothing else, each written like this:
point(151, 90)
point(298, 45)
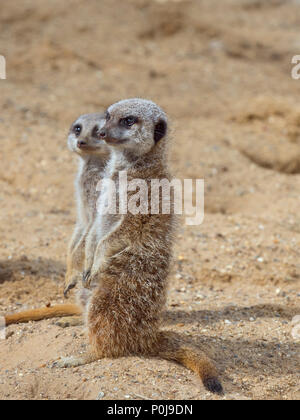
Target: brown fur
point(132, 261)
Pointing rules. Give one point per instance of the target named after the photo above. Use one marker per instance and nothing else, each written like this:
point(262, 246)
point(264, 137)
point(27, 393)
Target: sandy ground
point(222, 71)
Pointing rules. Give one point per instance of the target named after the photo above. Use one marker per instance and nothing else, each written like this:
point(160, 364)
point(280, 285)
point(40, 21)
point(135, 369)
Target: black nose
point(102, 133)
point(81, 143)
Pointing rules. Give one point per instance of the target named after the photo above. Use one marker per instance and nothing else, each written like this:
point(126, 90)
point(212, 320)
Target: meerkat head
point(134, 125)
point(84, 136)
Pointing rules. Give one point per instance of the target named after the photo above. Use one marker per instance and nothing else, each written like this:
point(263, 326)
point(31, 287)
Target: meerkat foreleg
point(97, 254)
point(73, 258)
point(76, 257)
point(90, 250)
point(103, 257)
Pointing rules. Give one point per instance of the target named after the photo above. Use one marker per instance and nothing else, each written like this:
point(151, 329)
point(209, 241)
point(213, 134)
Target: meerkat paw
point(68, 288)
point(74, 361)
point(86, 279)
point(69, 322)
point(68, 362)
point(70, 283)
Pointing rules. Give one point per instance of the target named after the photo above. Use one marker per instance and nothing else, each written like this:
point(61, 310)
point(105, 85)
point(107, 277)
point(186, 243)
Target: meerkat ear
point(160, 130)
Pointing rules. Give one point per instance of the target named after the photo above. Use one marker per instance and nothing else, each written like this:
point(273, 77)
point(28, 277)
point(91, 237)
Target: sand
point(222, 72)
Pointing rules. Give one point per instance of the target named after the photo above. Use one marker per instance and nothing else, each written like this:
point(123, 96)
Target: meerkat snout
point(102, 134)
point(81, 143)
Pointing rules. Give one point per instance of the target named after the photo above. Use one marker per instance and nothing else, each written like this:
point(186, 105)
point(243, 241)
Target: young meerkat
point(84, 140)
point(131, 253)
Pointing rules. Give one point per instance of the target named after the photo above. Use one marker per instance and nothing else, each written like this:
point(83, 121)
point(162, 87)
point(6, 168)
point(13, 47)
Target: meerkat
point(128, 269)
point(93, 152)
point(84, 140)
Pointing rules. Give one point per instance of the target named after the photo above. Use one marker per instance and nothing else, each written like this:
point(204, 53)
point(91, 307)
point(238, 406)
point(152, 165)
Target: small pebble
point(100, 395)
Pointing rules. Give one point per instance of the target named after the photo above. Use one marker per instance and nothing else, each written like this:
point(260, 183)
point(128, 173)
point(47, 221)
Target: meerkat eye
point(107, 116)
point(77, 129)
point(128, 121)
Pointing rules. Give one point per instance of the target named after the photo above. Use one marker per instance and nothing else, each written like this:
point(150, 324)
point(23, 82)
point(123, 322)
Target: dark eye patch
point(77, 129)
point(107, 116)
point(128, 121)
point(95, 132)
point(160, 130)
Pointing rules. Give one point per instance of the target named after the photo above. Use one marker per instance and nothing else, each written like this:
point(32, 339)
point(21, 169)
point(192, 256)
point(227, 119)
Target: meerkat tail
point(43, 313)
point(174, 349)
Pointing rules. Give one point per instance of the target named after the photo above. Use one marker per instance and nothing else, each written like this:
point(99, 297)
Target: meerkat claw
point(86, 279)
point(68, 288)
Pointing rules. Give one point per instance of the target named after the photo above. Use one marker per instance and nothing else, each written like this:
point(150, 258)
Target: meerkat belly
point(87, 199)
point(106, 225)
point(107, 217)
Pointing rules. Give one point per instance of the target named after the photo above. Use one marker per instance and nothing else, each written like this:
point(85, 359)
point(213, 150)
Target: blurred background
point(222, 72)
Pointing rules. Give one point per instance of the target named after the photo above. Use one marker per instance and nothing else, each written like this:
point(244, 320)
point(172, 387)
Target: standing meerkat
point(131, 253)
point(84, 140)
